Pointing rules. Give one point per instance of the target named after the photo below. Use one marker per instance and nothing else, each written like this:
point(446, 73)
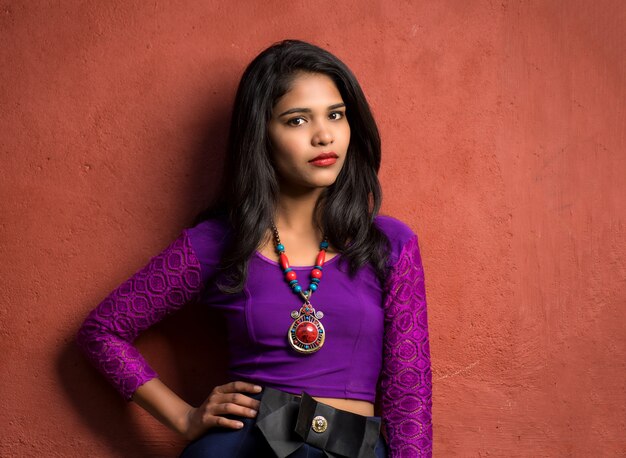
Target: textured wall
point(503, 131)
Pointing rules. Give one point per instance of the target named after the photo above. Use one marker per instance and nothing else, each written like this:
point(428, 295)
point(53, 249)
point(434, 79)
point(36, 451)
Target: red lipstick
point(324, 159)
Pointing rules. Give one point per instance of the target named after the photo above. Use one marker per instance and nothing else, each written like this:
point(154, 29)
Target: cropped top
point(376, 334)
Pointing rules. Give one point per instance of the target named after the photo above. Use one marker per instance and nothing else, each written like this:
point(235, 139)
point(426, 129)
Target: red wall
point(503, 130)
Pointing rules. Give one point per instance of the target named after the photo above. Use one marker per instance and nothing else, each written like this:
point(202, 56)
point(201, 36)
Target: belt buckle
point(319, 424)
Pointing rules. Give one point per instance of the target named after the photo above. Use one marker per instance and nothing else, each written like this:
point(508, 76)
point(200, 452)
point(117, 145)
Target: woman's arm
point(164, 285)
point(406, 385)
point(163, 404)
point(191, 422)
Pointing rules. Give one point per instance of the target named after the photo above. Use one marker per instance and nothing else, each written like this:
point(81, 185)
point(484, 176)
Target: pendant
point(306, 334)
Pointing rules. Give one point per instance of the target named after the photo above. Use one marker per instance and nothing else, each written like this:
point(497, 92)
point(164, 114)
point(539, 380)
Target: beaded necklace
point(306, 334)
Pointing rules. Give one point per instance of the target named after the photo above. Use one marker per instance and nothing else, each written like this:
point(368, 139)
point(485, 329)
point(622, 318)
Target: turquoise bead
point(318, 267)
point(293, 282)
point(297, 288)
point(315, 280)
point(313, 287)
point(280, 247)
point(324, 245)
point(288, 269)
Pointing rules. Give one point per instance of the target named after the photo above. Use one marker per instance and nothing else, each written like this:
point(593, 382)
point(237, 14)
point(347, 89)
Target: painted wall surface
point(503, 127)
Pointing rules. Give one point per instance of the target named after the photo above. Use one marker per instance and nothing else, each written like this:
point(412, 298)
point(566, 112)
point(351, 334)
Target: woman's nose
point(322, 136)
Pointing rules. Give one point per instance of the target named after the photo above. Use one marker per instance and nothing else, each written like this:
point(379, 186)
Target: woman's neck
point(295, 213)
point(298, 232)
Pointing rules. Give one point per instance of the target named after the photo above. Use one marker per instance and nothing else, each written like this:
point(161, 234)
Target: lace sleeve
point(164, 285)
point(406, 385)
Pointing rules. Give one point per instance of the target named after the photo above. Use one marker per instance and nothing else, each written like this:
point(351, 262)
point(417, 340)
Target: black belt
point(288, 421)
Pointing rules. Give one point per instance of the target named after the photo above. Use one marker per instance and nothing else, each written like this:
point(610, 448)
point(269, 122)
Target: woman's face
point(309, 120)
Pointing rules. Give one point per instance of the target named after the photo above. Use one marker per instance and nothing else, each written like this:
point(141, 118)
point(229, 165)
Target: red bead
point(316, 273)
point(320, 258)
point(291, 275)
point(306, 332)
point(284, 262)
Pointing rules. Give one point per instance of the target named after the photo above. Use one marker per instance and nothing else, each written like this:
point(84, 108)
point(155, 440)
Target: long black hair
point(248, 195)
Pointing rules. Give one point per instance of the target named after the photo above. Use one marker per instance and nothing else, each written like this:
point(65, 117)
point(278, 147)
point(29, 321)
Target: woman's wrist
point(183, 423)
point(162, 403)
point(180, 423)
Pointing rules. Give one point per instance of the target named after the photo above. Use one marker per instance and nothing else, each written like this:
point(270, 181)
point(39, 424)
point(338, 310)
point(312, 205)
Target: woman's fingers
point(237, 399)
point(228, 408)
point(231, 393)
point(212, 415)
point(238, 386)
point(221, 422)
point(232, 403)
point(228, 400)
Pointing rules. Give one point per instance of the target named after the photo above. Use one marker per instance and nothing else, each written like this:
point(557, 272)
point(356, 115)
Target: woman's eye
point(335, 115)
point(296, 121)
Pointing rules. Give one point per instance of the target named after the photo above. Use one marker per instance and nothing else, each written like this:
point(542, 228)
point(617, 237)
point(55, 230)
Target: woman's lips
point(324, 162)
point(325, 159)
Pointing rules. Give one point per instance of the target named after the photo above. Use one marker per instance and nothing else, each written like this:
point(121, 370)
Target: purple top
point(376, 335)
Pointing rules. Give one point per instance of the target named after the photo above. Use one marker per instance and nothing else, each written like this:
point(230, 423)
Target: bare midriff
point(351, 405)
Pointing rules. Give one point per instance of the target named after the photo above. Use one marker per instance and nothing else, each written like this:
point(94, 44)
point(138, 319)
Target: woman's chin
point(307, 186)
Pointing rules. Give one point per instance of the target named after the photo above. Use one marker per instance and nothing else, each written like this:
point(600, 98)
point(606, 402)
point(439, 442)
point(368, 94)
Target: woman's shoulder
point(394, 229)
point(208, 239)
point(398, 232)
point(213, 228)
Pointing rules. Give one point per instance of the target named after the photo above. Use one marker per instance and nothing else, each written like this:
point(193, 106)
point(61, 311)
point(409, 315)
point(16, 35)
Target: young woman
point(324, 298)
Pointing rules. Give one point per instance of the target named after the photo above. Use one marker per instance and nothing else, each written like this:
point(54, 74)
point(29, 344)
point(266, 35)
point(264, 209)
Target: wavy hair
point(248, 194)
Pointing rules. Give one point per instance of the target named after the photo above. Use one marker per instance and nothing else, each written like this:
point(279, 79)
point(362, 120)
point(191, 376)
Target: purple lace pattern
point(406, 379)
point(164, 285)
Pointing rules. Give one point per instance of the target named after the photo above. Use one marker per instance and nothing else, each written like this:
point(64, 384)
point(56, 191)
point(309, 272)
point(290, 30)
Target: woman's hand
point(223, 400)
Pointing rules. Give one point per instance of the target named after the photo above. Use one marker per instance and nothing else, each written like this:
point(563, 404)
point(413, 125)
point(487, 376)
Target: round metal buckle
point(319, 424)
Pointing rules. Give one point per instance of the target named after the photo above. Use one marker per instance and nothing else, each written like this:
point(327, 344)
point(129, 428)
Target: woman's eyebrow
point(308, 110)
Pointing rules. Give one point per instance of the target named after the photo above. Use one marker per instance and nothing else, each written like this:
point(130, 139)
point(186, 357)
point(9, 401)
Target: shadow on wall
point(194, 336)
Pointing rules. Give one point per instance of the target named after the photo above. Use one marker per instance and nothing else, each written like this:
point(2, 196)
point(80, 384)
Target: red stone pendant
point(306, 334)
